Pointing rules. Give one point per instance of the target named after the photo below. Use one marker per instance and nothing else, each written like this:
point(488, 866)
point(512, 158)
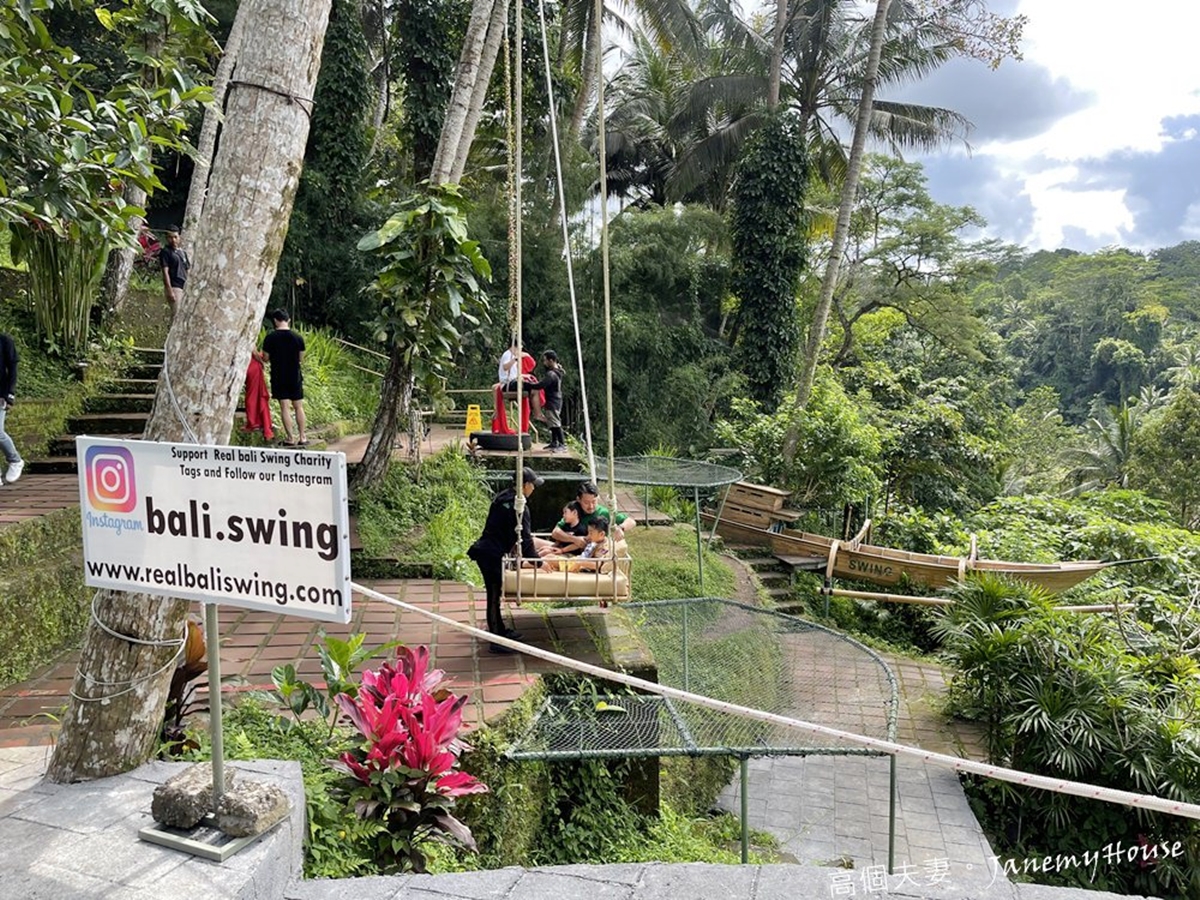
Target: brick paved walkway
point(36, 495)
point(253, 643)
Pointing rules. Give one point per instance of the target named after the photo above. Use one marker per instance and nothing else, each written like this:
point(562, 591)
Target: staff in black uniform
point(499, 536)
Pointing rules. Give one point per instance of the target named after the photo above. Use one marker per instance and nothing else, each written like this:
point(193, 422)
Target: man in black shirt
point(499, 536)
point(551, 383)
point(175, 265)
point(284, 350)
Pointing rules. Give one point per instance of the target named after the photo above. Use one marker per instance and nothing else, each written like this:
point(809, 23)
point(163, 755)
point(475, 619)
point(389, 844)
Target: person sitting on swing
point(517, 365)
point(598, 550)
point(574, 538)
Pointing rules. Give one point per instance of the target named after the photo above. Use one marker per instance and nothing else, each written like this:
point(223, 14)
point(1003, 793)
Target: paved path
point(253, 643)
point(36, 495)
point(826, 810)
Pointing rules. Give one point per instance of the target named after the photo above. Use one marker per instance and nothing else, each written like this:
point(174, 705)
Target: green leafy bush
point(430, 512)
point(1083, 698)
point(837, 459)
point(43, 600)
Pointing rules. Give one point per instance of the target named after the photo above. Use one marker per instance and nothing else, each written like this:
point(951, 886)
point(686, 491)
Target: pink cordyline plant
point(405, 770)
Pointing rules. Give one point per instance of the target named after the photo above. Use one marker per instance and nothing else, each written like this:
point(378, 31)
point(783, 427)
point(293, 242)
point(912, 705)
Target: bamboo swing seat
point(529, 583)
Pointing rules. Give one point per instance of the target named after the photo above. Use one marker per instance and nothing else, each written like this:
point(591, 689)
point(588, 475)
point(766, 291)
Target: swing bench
point(523, 582)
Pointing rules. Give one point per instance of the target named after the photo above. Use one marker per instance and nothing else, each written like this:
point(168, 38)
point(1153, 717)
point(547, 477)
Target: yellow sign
point(474, 419)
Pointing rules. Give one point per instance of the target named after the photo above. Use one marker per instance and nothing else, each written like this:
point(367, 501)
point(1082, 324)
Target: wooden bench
point(758, 505)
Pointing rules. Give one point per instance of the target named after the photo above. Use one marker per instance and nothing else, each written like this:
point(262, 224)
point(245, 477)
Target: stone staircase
point(120, 412)
point(774, 577)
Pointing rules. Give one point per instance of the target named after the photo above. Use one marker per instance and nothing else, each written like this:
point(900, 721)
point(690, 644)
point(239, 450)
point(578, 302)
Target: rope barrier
point(957, 764)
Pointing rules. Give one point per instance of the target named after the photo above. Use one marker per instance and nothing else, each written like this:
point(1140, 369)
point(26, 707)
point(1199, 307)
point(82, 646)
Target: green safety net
point(706, 646)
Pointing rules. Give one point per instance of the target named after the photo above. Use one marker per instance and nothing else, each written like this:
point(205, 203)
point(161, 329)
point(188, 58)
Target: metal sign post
point(213, 639)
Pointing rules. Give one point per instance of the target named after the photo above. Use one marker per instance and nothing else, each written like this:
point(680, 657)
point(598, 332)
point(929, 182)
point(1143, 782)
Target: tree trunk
point(198, 189)
point(114, 288)
point(458, 111)
point(776, 76)
point(236, 247)
point(395, 403)
point(458, 131)
point(862, 124)
point(592, 49)
point(487, 64)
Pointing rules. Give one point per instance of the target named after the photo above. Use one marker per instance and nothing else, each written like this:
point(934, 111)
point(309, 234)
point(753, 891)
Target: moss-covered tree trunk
point(113, 720)
point(395, 405)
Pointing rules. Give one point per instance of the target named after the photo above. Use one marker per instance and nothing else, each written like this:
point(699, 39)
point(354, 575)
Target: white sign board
point(253, 527)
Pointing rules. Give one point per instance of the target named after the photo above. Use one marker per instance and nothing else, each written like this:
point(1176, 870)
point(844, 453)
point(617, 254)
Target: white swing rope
point(890, 748)
point(602, 153)
point(513, 133)
point(562, 209)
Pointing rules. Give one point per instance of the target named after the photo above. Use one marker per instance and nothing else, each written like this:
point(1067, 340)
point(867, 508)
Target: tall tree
point(213, 115)
point(768, 252)
point(816, 331)
point(671, 23)
point(166, 40)
point(823, 65)
point(112, 721)
point(396, 397)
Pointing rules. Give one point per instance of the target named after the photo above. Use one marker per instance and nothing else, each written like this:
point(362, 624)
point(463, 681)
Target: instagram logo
point(110, 484)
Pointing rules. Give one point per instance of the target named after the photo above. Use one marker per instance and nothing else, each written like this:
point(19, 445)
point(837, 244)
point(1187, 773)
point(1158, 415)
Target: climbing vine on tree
point(768, 254)
point(321, 273)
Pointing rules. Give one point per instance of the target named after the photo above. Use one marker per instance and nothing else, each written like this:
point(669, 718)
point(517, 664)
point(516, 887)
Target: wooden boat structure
point(859, 561)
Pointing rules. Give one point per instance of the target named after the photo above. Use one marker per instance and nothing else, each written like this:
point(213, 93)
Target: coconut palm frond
point(914, 125)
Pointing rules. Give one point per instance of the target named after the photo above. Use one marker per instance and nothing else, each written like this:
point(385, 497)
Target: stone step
point(779, 593)
point(144, 370)
point(65, 445)
point(760, 562)
point(133, 385)
point(52, 465)
point(108, 423)
point(118, 403)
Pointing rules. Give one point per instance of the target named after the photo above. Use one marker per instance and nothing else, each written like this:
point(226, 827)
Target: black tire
point(485, 440)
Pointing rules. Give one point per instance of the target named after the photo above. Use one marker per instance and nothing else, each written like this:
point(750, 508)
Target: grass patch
point(664, 566)
point(43, 600)
point(428, 513)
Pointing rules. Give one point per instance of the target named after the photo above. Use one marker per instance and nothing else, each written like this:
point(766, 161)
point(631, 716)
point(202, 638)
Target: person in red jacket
point(258, 398)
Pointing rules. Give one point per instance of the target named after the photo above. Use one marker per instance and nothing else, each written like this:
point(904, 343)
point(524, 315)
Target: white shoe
point(14, 471)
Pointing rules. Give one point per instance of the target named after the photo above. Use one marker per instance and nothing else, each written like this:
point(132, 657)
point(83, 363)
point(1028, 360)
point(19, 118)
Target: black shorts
point(288, 388)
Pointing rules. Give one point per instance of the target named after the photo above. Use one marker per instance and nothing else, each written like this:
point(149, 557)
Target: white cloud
point(1138, 67)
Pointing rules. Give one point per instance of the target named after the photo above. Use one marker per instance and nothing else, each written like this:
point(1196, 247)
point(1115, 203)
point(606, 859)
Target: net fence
point(737, 654)
point(666, 471)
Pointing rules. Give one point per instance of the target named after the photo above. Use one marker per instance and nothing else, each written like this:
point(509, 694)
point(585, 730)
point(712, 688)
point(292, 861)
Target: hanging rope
point(602, 152)
point(562, 210)
point(512, 133)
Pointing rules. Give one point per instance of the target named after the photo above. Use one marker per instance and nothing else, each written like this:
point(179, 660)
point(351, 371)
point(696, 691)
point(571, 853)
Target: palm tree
point(647, 129)
point(825, 52)
point(671, 23)
point(1103, 459)
point(1186, 371)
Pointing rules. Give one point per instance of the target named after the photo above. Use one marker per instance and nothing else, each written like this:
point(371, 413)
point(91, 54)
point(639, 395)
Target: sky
point(1092, 140)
